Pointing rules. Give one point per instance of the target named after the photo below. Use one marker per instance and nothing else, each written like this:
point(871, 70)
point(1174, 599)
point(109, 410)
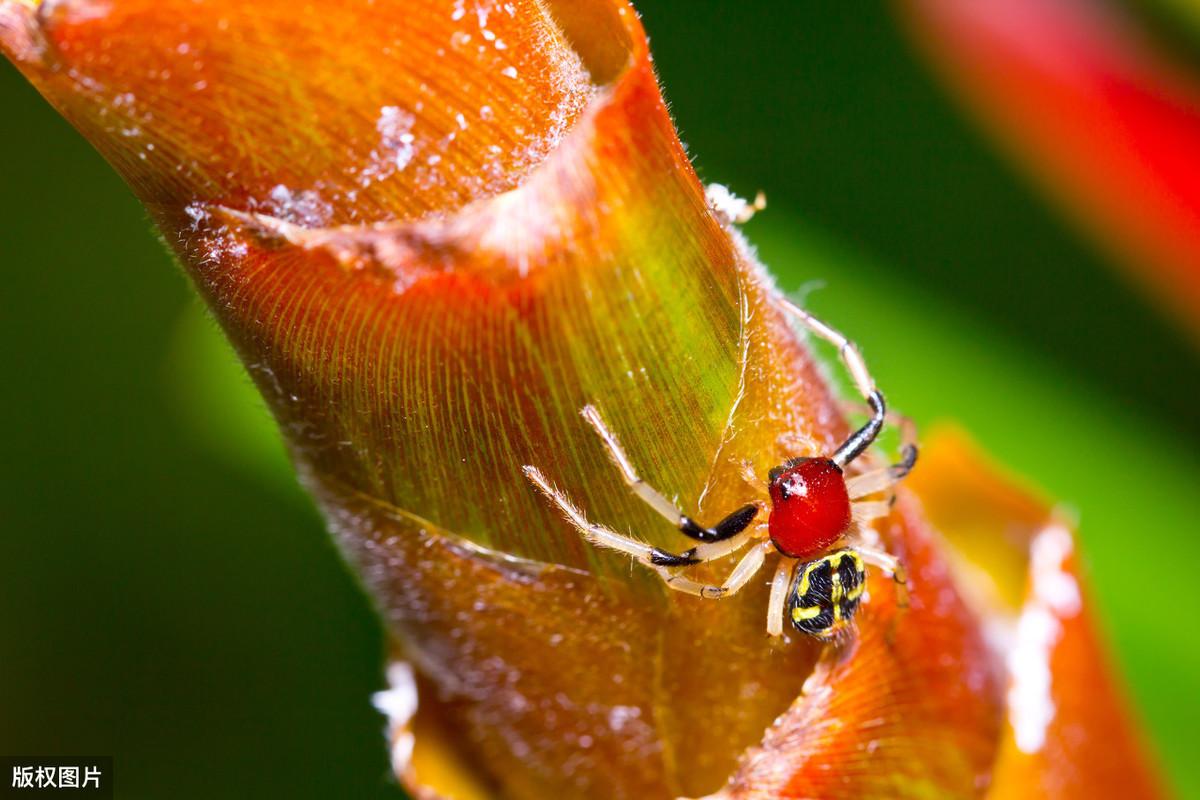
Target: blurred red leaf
point(1100, 116)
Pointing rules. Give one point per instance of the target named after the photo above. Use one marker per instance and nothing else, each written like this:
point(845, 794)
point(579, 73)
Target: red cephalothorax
point(810, 507)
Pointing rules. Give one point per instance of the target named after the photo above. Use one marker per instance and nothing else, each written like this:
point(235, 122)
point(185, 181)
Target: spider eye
point(793, 485)
point(789, 479)
point(788, 466)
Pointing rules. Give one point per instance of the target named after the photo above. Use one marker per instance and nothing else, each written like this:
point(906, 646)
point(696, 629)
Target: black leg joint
point(727, 528)
point(661, 558)
point(908, 457)
point(689, 527)
point(862, 438)
point(735, 523)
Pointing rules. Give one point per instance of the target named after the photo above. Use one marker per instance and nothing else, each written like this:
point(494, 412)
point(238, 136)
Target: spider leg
point(727, 528)
point(750, 564)
point(712, 551)
point(878, 480)
point(778, 602)
point(863, 512)
point(708, 551)
point(653, 557)
point(889, 564)
point(861, 439)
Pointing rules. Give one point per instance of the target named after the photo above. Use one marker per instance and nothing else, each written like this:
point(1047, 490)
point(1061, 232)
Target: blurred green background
point(168, 595)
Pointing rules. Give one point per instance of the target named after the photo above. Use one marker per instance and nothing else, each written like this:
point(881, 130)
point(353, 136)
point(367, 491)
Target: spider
point(818, 521)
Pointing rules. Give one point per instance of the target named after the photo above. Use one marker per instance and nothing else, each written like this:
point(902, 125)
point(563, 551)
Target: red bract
point(435, 231)
point(1103, 119)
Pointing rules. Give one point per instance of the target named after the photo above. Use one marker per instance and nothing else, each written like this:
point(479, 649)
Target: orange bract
point(434, 246)
point(1069, 732)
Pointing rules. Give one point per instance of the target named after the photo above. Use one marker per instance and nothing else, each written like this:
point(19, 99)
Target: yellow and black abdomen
point(826, 592)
